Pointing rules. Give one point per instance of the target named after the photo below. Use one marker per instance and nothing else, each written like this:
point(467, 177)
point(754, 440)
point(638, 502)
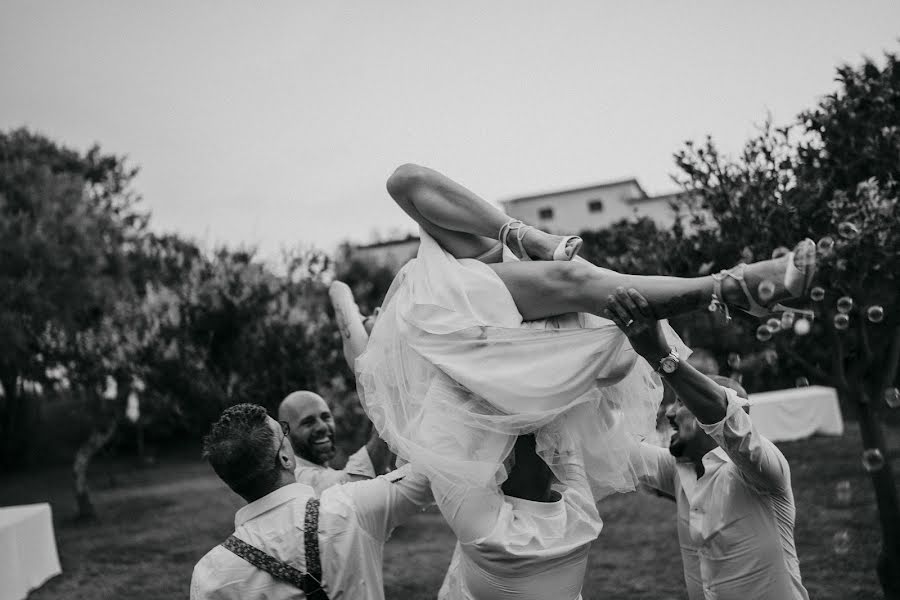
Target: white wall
point(571, 212)
point(391, 254)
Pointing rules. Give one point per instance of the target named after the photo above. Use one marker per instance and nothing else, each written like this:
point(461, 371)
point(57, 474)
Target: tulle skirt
point(452, 375)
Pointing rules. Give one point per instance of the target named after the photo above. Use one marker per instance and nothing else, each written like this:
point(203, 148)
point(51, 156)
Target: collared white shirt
point(736, 522)
point(320, 478)
point(354, 522)
point(513, 548)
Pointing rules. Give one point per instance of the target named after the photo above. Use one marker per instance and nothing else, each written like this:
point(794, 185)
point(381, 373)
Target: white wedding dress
point(452, 375)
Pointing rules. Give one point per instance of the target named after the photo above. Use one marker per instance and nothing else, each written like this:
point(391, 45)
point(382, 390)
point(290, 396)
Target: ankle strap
point(521, 229)
point(511, 225)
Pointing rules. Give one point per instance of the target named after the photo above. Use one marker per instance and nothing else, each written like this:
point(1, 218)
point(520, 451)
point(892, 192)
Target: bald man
point(312, 424)
point(312, 436)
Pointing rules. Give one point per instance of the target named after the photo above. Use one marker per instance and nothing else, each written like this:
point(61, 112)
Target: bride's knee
point(404, 178)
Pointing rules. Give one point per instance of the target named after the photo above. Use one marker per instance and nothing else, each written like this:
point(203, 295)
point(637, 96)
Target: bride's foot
point(755, 288)
point(529, 243)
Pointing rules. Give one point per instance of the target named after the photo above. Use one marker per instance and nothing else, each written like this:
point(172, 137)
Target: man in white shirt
point(252, 453)
point(312, 436)
point(528, 539)
point(731, 485)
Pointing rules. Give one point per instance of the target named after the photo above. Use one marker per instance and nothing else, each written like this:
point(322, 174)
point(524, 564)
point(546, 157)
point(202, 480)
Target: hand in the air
point(632, 313)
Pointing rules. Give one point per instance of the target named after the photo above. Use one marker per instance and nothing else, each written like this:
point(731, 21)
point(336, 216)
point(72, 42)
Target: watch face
point(669, 364)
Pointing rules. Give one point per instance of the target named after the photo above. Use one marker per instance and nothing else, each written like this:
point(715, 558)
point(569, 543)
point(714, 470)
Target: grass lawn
point(157, 522)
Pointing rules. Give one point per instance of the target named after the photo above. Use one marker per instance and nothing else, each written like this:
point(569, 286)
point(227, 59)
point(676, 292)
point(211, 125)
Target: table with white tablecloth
point(797, 413)
point(28, 555)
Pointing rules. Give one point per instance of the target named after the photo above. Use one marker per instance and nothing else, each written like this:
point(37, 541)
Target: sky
point(276, 124)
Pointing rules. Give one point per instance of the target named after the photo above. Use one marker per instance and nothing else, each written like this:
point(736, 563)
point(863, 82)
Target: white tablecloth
point(797, 413)
point(28, 555)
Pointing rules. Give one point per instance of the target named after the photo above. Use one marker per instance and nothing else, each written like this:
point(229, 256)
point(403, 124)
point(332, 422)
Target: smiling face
point(312, 426)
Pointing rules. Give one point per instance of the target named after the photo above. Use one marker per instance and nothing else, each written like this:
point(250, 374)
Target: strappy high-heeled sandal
point(797, 281)
point(520, 229)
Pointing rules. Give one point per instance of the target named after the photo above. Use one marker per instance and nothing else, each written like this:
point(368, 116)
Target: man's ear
point(286, 458)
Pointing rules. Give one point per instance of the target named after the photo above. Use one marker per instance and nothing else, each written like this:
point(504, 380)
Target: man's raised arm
point(718, 409)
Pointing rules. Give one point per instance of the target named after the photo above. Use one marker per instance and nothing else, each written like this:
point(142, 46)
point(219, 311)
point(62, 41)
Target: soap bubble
point(802, 382)
point(734, 360)
point(872, 459)
point(875, 313)
point(845, 304)
point(841, 321)
point(841, 264)
point(779, 252)
point(804, 257)
point(747, 255)
point(843, 492)
point(787, 320)
point(841, 542)
point(765, 291)
point(770, 356)
point(774, 325)
point(848, 230)
point(763, 333)
point(892, 397)
point(825, 245)
point(802, 326)
point(817, 294)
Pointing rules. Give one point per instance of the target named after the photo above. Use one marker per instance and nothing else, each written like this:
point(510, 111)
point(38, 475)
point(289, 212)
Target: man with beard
point(732, 486)
point(312, 436)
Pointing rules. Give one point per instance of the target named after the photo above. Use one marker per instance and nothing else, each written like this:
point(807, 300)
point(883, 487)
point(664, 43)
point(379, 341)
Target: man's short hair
point(239, 448)
point(728, 382)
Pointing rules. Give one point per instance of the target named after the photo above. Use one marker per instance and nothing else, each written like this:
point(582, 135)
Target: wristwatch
point(669, 363)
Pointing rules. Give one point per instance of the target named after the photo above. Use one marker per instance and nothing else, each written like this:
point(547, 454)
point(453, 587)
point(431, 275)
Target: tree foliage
point(834, 176)
point(89, 295)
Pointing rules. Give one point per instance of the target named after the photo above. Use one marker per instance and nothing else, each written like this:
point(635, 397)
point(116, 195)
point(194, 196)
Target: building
point(568, 211)
point(393, 253)
point(593, 207)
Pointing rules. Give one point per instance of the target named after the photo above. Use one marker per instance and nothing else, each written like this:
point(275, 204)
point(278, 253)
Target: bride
point(481, 341)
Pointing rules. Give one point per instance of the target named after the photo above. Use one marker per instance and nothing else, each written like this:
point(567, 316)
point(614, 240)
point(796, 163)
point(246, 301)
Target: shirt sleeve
point(382, 503)
point(359, 465)
point(471, 512)
point(198, 578)
point(320, 479)
point(759, 462)
point(656, 468)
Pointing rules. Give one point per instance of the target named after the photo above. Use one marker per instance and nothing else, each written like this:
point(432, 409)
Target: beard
point(676, 446)
point(319, 454)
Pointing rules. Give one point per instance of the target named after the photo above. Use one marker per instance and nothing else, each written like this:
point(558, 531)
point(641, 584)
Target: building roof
point(408, 239)
point(589, 188)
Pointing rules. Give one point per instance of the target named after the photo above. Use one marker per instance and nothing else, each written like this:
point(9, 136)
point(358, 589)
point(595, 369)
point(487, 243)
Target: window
point(545, 214)
point(595, 206)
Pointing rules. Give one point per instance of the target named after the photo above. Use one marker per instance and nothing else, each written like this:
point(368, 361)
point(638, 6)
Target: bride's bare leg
point(546, 289)
point(463, 223)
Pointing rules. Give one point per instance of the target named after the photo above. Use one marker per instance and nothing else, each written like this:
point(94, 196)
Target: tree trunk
point(83, 456)
point(139, 435)
point(9, 452)
point(888, 566)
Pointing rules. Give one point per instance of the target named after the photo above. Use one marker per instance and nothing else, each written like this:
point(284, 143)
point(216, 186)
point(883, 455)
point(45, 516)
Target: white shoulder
point(215, 571)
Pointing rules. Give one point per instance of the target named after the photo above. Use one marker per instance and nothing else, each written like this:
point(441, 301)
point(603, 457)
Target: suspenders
point(311, 581)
